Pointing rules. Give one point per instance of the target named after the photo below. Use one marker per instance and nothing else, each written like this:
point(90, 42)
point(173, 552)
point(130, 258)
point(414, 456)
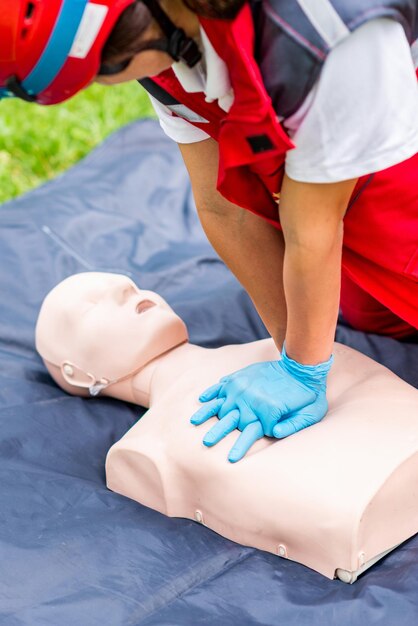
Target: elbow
point(210, 206)
point(214, 205)
point(318, 241)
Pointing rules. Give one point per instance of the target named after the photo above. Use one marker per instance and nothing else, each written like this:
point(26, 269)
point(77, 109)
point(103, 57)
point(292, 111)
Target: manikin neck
point(152, 380)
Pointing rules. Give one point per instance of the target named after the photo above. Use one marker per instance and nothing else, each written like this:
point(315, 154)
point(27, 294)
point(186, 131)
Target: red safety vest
point(381, 224)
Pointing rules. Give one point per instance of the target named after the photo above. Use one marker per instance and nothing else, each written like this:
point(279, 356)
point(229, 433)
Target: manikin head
point(95, 329)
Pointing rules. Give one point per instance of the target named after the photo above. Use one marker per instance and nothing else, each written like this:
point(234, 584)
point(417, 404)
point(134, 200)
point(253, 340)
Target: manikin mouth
point(144, 305)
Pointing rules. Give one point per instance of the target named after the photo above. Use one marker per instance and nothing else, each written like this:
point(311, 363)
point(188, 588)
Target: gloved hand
point(274, 398)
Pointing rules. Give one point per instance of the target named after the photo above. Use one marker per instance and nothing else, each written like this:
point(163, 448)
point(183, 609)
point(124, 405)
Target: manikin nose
point(122, 293)
point(144, 305)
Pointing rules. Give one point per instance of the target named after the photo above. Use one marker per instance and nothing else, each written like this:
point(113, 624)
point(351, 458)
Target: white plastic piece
point(351, 577)
point(198, 515)
point(95, 389)
point(282, 551)
point(68, 370)
point(345, 576)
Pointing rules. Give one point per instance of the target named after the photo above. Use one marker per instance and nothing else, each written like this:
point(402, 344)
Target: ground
point(37, 143)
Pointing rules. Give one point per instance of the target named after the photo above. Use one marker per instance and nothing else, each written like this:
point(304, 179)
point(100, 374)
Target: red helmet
point(50, 49)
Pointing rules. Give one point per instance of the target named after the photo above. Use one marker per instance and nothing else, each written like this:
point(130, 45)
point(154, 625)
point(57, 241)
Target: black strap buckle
point(180, 46)
point(14, 85)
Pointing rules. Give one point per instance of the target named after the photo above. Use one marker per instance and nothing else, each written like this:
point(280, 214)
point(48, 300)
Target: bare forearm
point(253, 250)
point(312, 287)
point(250, 247)
point(312, 220)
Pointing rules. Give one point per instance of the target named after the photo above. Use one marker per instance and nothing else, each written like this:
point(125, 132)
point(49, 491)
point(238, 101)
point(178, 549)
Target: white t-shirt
point(360, 117)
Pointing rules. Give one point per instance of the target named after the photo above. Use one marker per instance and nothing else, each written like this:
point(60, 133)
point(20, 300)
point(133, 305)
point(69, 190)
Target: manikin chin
point(336, 496)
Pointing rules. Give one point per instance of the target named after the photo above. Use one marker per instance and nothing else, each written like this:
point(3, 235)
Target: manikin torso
point(333, 496)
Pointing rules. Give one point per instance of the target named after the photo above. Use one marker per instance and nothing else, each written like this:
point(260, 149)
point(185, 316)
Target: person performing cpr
point(298, 123)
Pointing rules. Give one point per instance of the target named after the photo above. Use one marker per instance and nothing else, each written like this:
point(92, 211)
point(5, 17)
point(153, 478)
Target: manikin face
point(102, 324)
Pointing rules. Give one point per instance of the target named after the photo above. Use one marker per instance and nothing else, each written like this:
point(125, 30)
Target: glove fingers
point(247, 438)
point(206, 412)
point(210, 393)
point(246, 415)
point(228, 406)
point(221, 429)
point(297, 421)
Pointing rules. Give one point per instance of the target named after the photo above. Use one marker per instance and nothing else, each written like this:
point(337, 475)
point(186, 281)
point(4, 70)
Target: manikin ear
point(77, 377)
point(57, 375)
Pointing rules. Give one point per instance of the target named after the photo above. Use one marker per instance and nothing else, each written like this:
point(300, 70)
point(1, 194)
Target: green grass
point(37, 143)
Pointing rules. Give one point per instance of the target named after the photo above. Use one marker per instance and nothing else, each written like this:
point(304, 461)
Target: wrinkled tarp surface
point(72, 552)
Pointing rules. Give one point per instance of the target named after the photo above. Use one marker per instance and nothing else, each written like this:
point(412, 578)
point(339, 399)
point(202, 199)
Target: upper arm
point(202, 161)
point(311, 214)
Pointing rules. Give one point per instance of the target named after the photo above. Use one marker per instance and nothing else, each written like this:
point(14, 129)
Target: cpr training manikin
point(336, 496)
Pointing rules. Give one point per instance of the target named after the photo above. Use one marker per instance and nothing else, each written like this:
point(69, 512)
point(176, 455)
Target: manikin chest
point(333, 497)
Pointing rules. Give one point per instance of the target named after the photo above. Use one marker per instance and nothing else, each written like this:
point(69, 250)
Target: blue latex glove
point(273, 398)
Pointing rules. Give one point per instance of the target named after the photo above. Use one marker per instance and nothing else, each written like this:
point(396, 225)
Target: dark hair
point(127, 32)
point(222, 9)
point(125, 38)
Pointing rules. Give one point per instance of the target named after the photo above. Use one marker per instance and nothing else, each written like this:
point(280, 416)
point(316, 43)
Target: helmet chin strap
point(178, 45)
